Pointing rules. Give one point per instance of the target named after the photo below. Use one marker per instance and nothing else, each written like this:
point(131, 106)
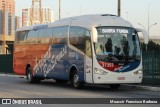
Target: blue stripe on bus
point(58, 63)
point(129, 67)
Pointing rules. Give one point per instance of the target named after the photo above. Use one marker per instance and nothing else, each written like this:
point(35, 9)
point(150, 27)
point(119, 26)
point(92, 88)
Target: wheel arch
point(73, 69)
point(27, 66)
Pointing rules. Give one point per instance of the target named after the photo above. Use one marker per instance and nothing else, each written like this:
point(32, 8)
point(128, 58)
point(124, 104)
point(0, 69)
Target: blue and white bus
point(94, 49)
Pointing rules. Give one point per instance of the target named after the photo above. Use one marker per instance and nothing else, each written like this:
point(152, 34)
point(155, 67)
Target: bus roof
point(86, 21)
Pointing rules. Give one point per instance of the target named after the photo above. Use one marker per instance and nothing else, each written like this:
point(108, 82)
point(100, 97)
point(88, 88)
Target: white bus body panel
point(88, 69)
point(114, 77)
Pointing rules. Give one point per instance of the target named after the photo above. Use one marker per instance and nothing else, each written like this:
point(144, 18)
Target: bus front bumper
point(117, 79)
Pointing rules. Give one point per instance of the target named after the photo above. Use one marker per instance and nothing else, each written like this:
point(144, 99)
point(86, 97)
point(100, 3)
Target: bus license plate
point(121, 78)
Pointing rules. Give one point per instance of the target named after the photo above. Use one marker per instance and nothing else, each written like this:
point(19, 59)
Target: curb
point(12, 75)
point(151, 88)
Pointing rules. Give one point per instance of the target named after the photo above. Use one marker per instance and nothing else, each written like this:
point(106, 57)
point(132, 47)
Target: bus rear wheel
point(75, 81)
point(31, 78)
point(114, 86)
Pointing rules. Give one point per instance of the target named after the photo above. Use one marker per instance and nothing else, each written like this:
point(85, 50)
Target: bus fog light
point(138, 72)
point(98, 71)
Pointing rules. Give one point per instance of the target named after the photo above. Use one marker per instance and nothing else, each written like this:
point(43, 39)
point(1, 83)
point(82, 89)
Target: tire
point(31, 78)
point(114, 86)
point(75, 81)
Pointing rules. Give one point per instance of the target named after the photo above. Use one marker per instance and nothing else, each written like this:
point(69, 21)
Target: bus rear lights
point(101, 72)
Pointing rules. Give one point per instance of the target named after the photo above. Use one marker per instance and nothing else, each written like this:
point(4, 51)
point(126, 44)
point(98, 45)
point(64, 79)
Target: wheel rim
point(75, 80)
point(29, 76)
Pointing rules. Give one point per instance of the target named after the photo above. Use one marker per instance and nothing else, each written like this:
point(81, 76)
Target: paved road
point(14, 87)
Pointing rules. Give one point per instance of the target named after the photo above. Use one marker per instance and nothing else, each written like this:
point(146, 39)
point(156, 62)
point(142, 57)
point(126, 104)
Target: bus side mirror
point(145, 35)
point(94, 34)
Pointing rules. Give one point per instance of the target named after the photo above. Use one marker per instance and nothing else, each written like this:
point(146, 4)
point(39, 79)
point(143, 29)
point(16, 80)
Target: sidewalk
point(144, 87)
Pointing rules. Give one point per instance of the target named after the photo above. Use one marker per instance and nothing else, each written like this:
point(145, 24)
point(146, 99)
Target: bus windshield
point(118, 45)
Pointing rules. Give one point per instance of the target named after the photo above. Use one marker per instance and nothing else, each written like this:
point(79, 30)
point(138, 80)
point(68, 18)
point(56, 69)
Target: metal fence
point(6, 63)
point(151, 67)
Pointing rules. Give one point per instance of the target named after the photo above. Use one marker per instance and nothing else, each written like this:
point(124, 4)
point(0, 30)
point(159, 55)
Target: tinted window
point(60, 35)
point(45, 35)
point(77, 37)
point(88, 50)
point(32, 36)
point(20, 36)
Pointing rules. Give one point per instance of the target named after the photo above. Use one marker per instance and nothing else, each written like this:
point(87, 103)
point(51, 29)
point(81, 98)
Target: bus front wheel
point(75, 81)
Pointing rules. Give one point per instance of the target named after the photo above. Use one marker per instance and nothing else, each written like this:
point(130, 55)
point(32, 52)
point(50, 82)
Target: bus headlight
point(98, 71)
point(139, 72)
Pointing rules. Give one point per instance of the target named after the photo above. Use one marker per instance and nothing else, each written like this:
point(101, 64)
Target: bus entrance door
point(88, 68)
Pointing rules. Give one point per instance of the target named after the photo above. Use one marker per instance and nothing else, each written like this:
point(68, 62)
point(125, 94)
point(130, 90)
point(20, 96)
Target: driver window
point(108, 45)
point(88, 45)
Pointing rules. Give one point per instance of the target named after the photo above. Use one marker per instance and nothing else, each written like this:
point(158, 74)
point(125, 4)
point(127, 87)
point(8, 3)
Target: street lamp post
point(148, 23)
point(148, 19)
point(59, 9)
point(142, 25)
point(148, 29)
point(119, 7)
point(127, 15)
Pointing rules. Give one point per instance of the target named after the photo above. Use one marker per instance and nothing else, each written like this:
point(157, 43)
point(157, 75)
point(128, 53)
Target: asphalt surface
point(15, 87)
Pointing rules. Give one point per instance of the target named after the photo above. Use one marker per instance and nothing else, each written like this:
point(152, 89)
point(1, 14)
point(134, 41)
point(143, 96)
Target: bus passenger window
point(32, 36)
point(88, 50)
point(108, 45)
point(45, 35)
point(20, 37)
point(77, 37)
point(60, 35)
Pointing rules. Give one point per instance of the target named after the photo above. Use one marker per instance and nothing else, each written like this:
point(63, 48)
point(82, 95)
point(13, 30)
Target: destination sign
point(123, 31)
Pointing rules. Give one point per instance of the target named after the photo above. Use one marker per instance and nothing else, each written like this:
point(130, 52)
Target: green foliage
point(151, 46)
